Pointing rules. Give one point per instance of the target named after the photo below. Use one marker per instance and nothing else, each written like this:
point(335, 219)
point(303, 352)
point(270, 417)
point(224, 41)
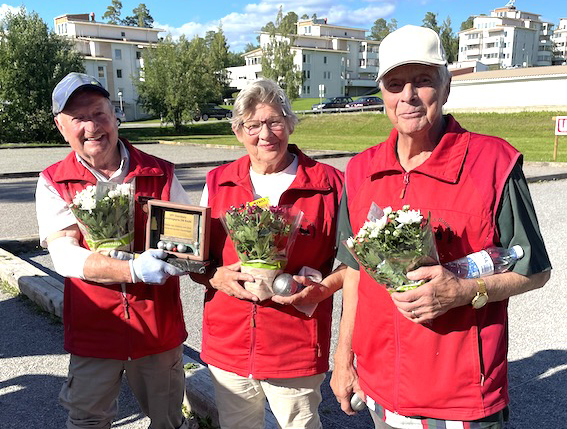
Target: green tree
point(289, 23)
point(250, 47)
point(235, 59)
point(430, 21)
point(218, 58)
point(304, 16)
point(112, 14)
point(469, 23)
point(381, 28)
point(33, 60)
point(177, 78)
point(277, 58)
point(450, 41)
point(141, 17)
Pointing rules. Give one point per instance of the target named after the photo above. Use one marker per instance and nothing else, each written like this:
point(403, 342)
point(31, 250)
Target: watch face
point(479, 301)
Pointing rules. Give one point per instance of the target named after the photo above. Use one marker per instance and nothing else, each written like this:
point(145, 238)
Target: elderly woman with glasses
point(270, 350)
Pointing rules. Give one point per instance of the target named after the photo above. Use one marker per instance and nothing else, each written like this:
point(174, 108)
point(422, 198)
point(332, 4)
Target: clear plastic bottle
point(492, 260)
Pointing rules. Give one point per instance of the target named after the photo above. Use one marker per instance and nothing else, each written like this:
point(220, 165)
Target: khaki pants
point(293, 401)
point(91, 390)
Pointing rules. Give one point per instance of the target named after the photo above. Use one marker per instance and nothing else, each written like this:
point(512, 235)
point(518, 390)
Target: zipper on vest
point(252, 340)
point(396, 360)
point(406, 183)
point(126, 306)
point(125, 303)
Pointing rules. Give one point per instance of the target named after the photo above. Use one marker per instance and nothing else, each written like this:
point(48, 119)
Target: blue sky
point(242, 18)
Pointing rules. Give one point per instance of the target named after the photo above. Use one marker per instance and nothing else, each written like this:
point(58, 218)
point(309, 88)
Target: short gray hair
point(263, 91)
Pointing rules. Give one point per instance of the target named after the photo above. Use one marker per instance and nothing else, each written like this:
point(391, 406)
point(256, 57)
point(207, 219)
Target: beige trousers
point(91, 390)
point(293, 401)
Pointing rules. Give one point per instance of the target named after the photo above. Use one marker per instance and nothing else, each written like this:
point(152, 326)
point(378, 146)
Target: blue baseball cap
point(69, 85)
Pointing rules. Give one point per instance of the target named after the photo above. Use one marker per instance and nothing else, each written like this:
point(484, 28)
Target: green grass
point(530, 132)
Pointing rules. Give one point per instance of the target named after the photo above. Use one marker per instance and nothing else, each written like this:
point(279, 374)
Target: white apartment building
point(508, 38)
point(559, 40)
point(338, 59)
point(112, 54)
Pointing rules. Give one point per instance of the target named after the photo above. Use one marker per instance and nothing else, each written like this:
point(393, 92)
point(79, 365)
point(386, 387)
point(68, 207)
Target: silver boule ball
point(356, 403)
point(182, 248)
point(169, 246)
point(161, 244)
point(284, 285)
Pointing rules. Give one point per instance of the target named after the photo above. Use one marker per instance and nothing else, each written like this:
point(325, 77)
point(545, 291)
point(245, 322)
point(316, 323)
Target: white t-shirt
point(271, 185)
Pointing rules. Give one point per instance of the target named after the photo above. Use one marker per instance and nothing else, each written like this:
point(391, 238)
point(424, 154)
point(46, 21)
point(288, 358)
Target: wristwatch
point(481, 297)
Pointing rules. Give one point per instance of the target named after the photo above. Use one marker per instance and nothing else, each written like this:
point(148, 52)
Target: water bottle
point(493, 260)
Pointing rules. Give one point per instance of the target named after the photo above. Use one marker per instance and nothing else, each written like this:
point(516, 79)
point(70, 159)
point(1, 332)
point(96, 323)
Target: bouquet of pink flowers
point(262, 237)
point(391, 243)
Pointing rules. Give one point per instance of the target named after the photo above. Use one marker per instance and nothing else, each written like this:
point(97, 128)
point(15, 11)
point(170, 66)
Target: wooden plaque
point(185, 229)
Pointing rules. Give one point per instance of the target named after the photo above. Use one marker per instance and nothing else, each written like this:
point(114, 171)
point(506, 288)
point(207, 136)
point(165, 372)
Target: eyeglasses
point(276, 123)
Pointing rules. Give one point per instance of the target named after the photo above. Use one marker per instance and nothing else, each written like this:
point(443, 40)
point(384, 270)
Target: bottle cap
point(519, 251)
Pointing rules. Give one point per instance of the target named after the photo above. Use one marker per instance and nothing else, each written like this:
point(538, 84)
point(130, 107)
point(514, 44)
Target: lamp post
point(120, 98)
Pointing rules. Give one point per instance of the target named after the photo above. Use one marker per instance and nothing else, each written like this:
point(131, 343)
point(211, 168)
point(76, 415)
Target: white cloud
point(5, 8)
point(243, 27)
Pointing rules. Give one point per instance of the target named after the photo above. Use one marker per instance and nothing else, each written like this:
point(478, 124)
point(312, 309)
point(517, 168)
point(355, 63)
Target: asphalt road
point(33, 362)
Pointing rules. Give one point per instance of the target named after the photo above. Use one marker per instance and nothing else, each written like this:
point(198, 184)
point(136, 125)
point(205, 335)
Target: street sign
point(321, 90)
point(561, 125)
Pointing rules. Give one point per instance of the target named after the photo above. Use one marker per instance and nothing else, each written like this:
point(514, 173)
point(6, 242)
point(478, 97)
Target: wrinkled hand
point(226, 279)
point(149, 267)
point(344, 383)
point(312, 293)
point(442, 292)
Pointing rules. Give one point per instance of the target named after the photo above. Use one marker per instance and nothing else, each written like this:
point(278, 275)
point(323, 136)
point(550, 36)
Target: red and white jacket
point(99, 319)
point(269, 340)
point(454, 368)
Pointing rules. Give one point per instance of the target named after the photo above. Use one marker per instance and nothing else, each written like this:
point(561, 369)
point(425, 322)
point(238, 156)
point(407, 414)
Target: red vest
point(454, 368)
point(268, 340)
point(94, 314)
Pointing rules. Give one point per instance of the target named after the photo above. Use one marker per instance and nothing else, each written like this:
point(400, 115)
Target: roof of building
point(513, 73)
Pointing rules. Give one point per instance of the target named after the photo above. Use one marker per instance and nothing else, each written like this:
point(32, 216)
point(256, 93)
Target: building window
point(138, 55)
point(118, 54)
point(119, 73)
point(306, 58)
point(348, 62)
point(100, 72)
point(324, 60)
point(123, 34)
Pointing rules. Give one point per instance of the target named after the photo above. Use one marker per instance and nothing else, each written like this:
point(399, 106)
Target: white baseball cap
point(410, 45)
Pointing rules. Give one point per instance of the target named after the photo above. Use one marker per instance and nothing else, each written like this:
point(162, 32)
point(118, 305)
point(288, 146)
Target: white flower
point(387, 211)
point(408, 217)
point(350, 242)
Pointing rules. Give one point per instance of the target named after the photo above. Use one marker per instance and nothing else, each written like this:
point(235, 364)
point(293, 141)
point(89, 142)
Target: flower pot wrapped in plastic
point(105, 215)
point(392, 243)
point(263, 237)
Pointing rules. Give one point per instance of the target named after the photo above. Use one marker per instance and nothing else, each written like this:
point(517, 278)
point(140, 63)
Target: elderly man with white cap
point(120, 317)
point(434, 356)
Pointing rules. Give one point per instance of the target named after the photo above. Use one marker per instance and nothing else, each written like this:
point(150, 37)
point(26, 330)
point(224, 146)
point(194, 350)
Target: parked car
point(120, 115)
point(332, 103)
point(211, 110)
point(366, 101)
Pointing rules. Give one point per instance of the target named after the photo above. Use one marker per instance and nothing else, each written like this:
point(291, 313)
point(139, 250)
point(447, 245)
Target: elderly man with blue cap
point(434, 356)
point(119, 316)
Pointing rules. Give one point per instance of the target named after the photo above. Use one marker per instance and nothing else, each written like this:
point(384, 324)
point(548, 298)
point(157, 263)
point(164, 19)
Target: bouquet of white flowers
point(105, 215)
point(391, 243)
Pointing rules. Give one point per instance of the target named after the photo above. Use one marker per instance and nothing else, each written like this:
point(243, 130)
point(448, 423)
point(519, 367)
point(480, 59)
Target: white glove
point(149, 267)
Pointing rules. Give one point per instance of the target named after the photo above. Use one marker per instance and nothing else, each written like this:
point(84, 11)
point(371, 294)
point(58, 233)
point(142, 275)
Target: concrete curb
point(47, 293)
